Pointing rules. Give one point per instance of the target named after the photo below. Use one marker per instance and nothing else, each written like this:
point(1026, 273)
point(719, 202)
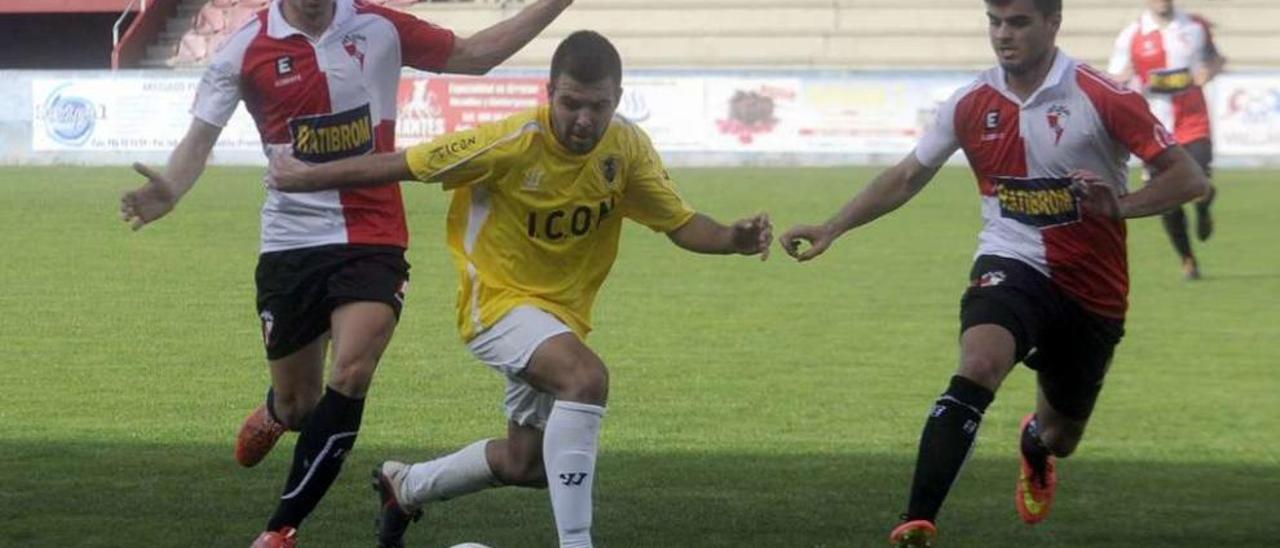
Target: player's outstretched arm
point(1213, 65)
point(488, 48)
point(892, 188)
point(289, 174)
point(157, 197)
point(702, 234)
point(1178, 179)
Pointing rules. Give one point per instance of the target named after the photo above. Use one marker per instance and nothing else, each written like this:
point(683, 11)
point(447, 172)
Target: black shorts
point(1069, 347)
point(298, 289)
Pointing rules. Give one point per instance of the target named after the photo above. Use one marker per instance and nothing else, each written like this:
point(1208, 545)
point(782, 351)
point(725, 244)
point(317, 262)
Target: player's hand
point(148, 202)
point(286, 173)
point(1096, 195)
point(819, 238)
point(753, 235)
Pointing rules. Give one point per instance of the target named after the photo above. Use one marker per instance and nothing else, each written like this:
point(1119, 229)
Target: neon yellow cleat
point(1034, 495)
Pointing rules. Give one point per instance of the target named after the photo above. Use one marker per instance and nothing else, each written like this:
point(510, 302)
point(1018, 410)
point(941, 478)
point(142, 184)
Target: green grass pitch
point(753, 404)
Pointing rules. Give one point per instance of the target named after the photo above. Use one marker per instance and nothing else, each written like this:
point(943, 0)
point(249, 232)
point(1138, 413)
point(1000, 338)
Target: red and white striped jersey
point(1162, 60)
point(323, 99)
point(1021, 153)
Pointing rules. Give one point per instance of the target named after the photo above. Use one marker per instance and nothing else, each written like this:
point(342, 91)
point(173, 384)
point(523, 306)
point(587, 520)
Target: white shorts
point(507, 347)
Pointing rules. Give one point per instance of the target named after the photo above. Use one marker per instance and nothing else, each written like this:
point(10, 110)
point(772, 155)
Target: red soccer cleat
point(286, 537)
point(257, 436)
point(918, 533)
point(1034, 494)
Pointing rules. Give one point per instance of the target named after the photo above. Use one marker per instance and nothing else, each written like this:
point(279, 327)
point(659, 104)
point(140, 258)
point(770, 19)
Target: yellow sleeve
point(465, 157)
point(650, 198)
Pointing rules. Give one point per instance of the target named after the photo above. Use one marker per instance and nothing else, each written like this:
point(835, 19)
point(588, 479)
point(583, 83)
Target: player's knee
point(1061, 440)
point(983, 369)
point(352, 377)
point(523, 473)
point(587, 382)
point(292, 409)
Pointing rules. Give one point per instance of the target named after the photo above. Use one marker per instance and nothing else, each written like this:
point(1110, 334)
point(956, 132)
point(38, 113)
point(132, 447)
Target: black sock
point(948, 436)
point(1175, 224)
point(1034, 450)
point(271, 412)
point(271, 407)
point(326, 439)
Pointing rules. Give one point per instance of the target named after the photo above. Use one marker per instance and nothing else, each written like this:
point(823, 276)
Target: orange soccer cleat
point(286, 537)
point(918, 533)
point(257, 436)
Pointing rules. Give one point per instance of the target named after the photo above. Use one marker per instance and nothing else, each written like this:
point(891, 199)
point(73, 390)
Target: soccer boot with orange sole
point(914, 534)
point(257, 436)
point(286, 537)
point(1034, 493)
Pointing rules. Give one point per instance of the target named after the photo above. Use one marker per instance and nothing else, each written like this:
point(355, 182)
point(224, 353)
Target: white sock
point(450, 476)
point(569, 446)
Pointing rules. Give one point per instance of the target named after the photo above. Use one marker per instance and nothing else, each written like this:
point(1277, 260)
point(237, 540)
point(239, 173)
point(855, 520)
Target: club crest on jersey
point(354, 44)
point(610, 170)
point(1057, 118)
point(1039, 202)
point(328, 137)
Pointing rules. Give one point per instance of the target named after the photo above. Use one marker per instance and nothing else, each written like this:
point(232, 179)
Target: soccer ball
point(469, 545)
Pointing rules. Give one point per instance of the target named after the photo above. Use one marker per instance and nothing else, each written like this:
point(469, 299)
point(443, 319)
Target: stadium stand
point(200, 26)
point(775, 33)
point(35, 33)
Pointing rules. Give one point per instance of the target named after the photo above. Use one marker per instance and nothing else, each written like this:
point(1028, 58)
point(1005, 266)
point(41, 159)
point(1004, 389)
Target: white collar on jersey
point(1149, 23)
point(1062, 63)
point(279, 28)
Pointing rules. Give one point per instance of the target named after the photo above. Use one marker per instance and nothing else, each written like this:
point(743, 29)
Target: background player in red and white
point(319, 78)
point(1170, 55)
point(1047, 139)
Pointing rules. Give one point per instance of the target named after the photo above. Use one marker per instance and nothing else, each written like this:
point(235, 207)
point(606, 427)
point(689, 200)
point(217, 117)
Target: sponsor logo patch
point(1170, 80)
point(453, 148)
point(1042, 202)
point(328, 137)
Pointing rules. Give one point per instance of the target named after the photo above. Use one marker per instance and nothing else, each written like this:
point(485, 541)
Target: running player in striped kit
point(320, 79)
point(1047, 138)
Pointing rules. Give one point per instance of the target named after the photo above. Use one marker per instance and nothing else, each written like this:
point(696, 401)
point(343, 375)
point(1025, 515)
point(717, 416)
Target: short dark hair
point(1045, 7)
point(588, 57)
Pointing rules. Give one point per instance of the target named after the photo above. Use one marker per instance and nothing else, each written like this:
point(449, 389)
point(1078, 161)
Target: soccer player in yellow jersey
point(537, 211)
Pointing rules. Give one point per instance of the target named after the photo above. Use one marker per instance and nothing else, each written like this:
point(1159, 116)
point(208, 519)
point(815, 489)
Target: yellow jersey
point(532, 223)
